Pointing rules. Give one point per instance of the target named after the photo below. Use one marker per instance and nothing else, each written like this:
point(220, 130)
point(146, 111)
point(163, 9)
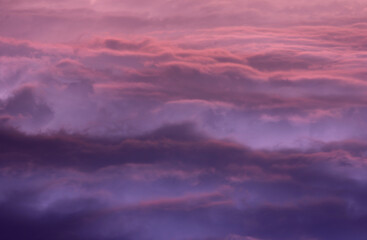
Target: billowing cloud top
point(185, 120)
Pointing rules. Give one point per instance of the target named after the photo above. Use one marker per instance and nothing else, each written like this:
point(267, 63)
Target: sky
point(183, 120)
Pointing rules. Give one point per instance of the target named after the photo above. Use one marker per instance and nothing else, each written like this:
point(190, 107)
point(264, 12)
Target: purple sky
point(183, 120)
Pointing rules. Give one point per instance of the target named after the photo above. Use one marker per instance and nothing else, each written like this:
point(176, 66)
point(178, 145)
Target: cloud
point(26, 109)
point(285, 61)
point(187, 120)
point(139, 188)
point(111, 85)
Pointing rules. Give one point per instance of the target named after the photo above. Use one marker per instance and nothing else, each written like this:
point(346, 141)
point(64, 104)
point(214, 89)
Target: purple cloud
point(186, 120)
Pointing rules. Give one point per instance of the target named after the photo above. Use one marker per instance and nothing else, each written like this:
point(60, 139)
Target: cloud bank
point(235, 120)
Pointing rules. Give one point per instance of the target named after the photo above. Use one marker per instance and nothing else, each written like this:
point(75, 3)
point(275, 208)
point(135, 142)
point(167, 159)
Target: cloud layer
point(177, 184)
point(235, 120)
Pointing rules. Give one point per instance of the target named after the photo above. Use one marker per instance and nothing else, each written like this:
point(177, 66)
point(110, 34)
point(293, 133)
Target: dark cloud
point(209, 188)
point(285, 62)
point(25, 105)
point(67, 219)
point(16, 49)
point(116, 44)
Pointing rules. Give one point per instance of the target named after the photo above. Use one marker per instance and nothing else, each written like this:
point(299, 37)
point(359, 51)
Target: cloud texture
point(187, 120)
